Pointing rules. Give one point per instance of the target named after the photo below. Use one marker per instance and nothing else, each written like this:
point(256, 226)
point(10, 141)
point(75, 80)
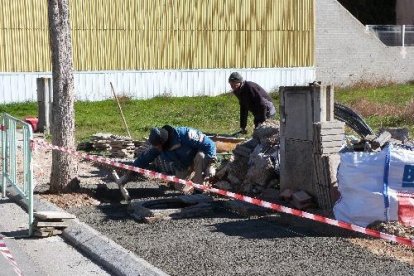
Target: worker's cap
point(158, 136)
point(236, 77)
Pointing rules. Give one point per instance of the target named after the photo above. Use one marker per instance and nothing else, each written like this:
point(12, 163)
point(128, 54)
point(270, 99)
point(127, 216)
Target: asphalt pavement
point(227, 243)
point(80, 250)
point(38, 256)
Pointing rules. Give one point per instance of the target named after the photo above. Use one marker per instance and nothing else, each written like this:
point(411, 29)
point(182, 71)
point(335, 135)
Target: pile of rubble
point(254, 165)
point(374, 143)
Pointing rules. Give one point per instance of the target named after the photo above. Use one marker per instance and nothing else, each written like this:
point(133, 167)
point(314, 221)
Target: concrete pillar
point(44, 101)
point(301, 107)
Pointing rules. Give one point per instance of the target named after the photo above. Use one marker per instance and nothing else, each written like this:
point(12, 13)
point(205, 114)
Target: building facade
point(148, 48)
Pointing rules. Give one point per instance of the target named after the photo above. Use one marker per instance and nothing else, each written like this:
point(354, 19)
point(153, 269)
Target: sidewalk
point(46, 256)
point(59, 255)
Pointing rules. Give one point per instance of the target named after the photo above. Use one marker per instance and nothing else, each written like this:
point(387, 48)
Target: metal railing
point(394, 35)
point(17, 170)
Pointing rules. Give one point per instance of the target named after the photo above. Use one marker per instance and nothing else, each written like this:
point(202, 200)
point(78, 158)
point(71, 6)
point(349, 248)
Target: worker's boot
point(121, 181)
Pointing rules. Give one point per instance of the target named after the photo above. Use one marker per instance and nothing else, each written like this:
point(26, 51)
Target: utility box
point(302, 108)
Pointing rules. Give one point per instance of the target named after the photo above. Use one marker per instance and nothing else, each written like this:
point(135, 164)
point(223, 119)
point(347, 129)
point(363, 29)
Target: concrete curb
point(104, 251)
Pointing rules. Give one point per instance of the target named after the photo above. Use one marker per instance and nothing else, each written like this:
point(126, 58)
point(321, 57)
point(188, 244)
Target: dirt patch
point(89, 173)
point(385, 249)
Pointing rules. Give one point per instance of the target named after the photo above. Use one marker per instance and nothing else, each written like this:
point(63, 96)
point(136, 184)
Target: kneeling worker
point(186, 148)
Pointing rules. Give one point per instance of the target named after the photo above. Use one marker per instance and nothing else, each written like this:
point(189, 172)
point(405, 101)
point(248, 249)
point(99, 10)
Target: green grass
point(388, 106)
point(382, 107)
point(392, 94)
point(209, 114)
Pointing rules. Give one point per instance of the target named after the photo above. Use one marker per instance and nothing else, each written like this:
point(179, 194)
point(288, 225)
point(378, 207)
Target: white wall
point(346, 53)
point(93, 86)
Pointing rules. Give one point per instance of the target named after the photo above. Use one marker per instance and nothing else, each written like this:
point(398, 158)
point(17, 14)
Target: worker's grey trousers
point(200, 167)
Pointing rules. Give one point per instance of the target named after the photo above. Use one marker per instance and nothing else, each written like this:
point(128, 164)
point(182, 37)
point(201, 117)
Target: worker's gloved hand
point(210, 171)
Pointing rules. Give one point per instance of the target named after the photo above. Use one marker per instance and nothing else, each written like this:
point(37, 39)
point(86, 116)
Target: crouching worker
point(188, 149)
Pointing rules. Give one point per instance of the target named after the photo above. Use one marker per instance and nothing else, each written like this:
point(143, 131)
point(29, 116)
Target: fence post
point(3, 159)
point(28, 174)
point(403, 35)
point(44, 100)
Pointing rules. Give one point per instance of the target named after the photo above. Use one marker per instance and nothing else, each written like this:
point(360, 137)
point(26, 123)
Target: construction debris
point(398, 133)
point(301, 200)
point(254, 165)
point(50, 223)
point(373, 143)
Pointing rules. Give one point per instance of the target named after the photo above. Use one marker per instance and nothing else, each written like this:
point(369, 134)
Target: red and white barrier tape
point(4, 250)
point(255, 201)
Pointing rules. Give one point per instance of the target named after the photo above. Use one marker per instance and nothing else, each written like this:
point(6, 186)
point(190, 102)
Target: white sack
point(361, 184)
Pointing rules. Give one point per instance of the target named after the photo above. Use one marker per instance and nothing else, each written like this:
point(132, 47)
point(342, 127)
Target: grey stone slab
point(59, 224)
point(47, 215)
point(331, 138)
point(332, 124)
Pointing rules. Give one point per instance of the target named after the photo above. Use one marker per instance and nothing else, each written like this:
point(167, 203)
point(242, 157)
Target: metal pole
point(120, 110)
point(28, 169)
point(3, 159)
point(403, 35)
point(13, 152)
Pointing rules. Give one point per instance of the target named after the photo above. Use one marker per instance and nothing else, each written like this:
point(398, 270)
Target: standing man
point(186, 148)
point(252, 97)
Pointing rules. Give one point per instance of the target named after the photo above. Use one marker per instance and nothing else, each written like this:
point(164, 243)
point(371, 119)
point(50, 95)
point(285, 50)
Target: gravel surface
point(226, 243)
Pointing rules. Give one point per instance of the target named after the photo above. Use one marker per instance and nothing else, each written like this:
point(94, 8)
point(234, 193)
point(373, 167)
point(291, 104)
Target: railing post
point(3, 159)
point(9, 161)
point(28, 176)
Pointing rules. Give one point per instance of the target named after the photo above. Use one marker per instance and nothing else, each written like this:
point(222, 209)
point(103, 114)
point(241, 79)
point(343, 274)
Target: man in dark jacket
point(252, 97)
point(187, 149)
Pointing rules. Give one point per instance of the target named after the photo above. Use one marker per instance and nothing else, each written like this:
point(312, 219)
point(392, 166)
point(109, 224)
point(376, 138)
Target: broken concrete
point(254, 165)
point(399, 133)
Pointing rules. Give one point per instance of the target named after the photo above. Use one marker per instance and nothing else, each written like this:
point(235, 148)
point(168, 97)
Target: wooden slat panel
point(163, 34)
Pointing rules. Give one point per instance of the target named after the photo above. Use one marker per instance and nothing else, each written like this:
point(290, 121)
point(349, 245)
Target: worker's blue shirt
point(184, 144)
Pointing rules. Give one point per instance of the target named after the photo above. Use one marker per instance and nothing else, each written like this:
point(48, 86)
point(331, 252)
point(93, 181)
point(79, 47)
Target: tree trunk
point(64, 166)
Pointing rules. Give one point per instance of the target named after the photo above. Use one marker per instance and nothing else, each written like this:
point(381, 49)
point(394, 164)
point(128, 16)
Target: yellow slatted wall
point(163, 34)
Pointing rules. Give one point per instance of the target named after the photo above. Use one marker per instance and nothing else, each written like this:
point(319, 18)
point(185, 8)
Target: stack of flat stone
point(328, 140)
point(50, 223)
point(118, 146)
point(101, 141)
point(122, 147)
point(328, 137)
